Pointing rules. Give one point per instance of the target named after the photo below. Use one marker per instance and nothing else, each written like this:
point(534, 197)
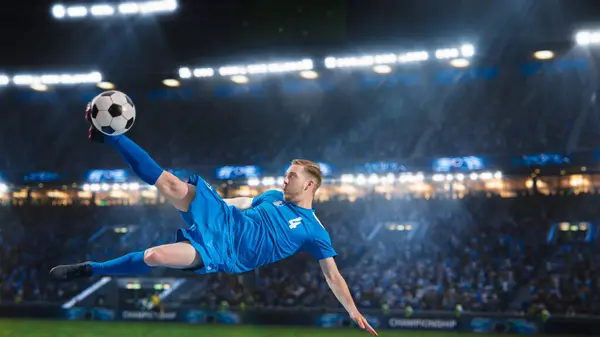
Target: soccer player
point(227, 235)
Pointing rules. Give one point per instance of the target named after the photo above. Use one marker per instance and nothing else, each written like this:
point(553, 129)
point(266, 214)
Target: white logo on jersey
point(295, 222)
point(278, 203)
point(207, 185)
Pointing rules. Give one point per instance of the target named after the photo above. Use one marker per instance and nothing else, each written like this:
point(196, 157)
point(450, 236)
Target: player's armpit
point(241, 203)
point(179, 193)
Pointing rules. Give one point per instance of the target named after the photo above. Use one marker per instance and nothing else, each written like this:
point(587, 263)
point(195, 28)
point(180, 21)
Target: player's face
point(296, 183)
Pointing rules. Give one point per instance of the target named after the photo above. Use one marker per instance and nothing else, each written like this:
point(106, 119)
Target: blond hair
point(311, 168)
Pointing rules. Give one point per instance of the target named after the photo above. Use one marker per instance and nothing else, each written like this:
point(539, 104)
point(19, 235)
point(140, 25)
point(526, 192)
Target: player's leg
point(179, 193)
point(180, 255)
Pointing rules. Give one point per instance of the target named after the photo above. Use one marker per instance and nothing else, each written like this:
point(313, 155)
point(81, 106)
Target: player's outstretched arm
point(241, 203)
point(338, 286)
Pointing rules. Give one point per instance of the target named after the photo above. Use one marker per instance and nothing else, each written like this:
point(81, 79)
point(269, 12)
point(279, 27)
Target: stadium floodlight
point(172, 83)
point(3, 188)
point(61, 11)
point(204, 72)
point(413, 57)
point(39, 87)
point(449, 53)
point(474, 176)
point(60, 79)
point(240, 79)
point(102, 10)
point(373, 179)
point(486, 176)
point(361, 179)
point(265, 68)
point(105, 85)
point(4, 80)
point(77, 11)
point(382, 69)
point(585, 38)
point(268, 181)
point(185, 72)
point(438, 177)
point(467, 50)
point(543, 54)
point(252, 182)
point(359, 61)
point(347, 179)
point(498, 175)
point(309, 74)
point(459, 63)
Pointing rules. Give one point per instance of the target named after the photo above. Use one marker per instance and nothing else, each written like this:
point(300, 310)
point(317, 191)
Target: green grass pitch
point(39, 328)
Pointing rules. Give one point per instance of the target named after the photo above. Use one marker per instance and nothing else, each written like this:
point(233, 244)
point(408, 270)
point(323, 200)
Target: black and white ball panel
point(113, 112)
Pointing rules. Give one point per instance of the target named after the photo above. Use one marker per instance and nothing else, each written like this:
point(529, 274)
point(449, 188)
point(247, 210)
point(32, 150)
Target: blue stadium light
point(4, 80)
point(82, 10)
point(299, 66)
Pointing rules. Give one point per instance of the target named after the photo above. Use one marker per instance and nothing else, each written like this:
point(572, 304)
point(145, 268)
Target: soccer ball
point(113, 113)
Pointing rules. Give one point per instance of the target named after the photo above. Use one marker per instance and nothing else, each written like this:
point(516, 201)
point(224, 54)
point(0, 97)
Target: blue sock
point(130, 264)
point(138, 159)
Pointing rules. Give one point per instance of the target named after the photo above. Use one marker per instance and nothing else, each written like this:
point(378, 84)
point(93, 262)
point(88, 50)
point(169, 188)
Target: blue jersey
point(273, 230)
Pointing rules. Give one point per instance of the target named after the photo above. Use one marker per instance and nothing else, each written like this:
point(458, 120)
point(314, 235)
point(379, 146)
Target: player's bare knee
point(154, 257)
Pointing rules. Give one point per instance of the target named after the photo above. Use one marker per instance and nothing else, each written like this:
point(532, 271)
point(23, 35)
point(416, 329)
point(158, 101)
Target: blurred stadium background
point(459, 140)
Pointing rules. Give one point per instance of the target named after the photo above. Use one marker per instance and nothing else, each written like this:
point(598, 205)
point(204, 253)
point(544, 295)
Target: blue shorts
point(209, 221)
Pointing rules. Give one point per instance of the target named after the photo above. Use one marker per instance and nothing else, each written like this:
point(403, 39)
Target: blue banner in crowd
point(382, 167)
point(542, 159)
point(458, 164)
point(107, 176)
point(41, 177)
point(237, 172)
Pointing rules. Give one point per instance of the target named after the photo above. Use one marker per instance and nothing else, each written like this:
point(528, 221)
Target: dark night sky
point(207, 29)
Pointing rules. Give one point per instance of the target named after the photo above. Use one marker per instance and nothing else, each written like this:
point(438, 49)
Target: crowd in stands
point(479, 252)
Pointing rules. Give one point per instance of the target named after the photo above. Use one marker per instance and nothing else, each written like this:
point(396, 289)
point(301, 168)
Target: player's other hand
point(93, 134)
point(362, 323)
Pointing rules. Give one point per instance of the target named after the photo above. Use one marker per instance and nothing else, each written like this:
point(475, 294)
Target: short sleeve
point(268, 196)
point(320, 247)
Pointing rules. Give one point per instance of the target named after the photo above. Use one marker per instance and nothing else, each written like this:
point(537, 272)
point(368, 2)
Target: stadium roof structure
point(221, 36)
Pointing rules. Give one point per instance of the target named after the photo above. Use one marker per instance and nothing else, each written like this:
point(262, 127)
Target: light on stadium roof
point(239, 79)
point(3, 188)
point(449, 53)
point(382, 69)
point(543, 54)
point(585, 38)
point(459, 63)
point(4, 80)
point(204, 72)
point(185, 72)
point(172, 83)
point(253, 182)
point(467, 50)
point(347, 179)
point(39, 87)
point(413, 57)
point(62, 79)
point(102, 10)
point(266, 68)
point(309, 74)
point(60, 11)
point(105, 85)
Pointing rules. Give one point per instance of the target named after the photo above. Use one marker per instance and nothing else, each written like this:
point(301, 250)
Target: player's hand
point(93, 134)
point(362, 323)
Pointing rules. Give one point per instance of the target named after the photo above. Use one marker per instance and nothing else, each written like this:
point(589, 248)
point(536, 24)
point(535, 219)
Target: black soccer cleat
point(71, 272)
